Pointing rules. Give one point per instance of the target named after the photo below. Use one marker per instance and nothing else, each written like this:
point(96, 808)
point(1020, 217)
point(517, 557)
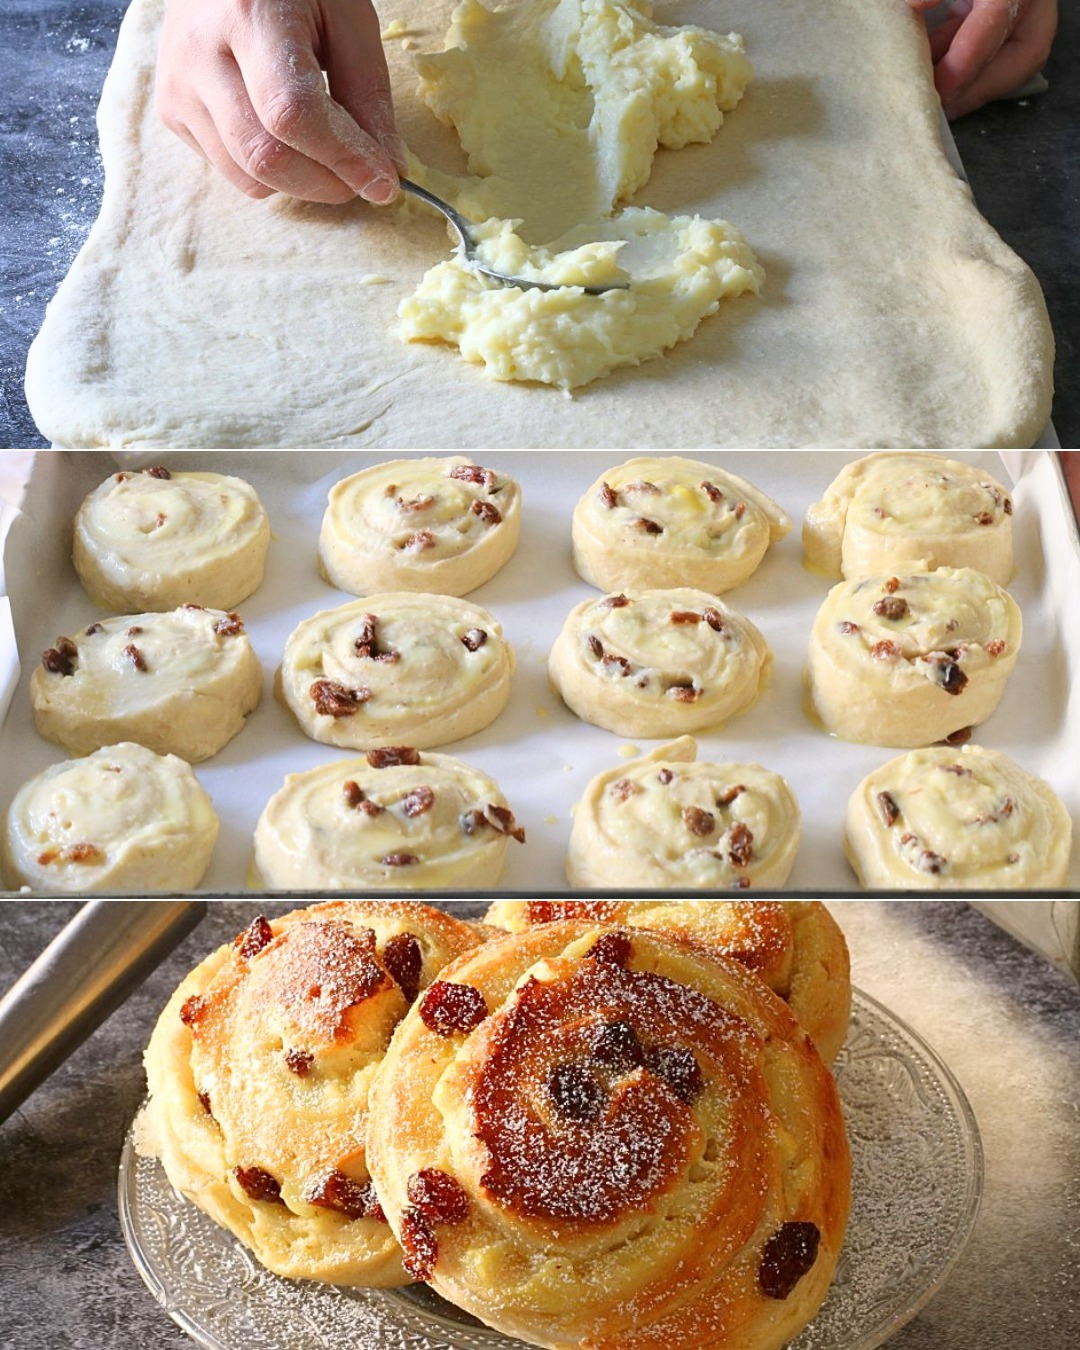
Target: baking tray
point(541, 754)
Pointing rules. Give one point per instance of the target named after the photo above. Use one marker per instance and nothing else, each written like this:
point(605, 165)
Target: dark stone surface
point(1023, 161)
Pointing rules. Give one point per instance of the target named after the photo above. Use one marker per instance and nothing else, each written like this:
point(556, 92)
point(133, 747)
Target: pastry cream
point(560, 106)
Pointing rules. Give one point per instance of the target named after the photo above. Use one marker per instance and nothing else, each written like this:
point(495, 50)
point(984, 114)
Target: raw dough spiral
point(658, 663)
point(259, 1070)
point(911, 659)
point(603, 1137)
point(394, 669)
point(179, 683)
point(121, 819)
point(961, 818)
point(673, 522)
point(442, 525)
point(153, 540)
point(394, 818)
point(891, 510)
point(795, 946)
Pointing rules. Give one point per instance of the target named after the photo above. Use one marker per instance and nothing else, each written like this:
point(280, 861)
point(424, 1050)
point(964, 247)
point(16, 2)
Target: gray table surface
point(1023, 160)
point(1003, 1019)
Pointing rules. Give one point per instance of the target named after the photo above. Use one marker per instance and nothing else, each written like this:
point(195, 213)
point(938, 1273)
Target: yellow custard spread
point(560, 106)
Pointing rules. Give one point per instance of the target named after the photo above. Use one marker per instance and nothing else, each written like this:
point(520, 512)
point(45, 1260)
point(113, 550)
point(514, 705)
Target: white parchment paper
point(540, 753)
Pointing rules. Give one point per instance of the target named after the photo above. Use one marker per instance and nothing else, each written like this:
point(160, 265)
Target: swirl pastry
point(911, 659)
point(441, 525)
point(607, 1138)
point(658, 663)
point(673, 522)
point(180, 683)
point(666, 821)
point(122, 819)
point(259, 1070)
point(401, 667)
point(889, 511)
point(795, 946)
point(394, 818)
point(961, 818)
point(154, 540)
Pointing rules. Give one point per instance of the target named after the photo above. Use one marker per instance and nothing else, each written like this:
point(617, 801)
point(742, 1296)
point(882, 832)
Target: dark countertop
point(1023, 160)
point(1003, 1019)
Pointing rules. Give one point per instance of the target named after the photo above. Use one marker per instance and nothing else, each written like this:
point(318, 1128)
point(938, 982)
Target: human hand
point(241, 81)
point(984, 49)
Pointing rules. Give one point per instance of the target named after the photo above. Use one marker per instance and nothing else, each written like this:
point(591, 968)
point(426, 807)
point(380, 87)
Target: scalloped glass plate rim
point(405, 1313)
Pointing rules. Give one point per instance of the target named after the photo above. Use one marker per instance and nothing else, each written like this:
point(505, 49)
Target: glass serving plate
point(913, 1135)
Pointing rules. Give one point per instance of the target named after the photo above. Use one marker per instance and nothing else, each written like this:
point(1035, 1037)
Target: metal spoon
point(468, 245)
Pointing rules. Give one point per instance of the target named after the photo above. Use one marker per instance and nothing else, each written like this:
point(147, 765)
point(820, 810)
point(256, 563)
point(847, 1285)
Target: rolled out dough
point(893, 314)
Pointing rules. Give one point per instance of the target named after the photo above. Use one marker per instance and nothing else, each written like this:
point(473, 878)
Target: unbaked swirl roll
point(889, 510)
point(603, 1137)
point(668, 521)
point(658, 663)
point(259, 1070)
point(392, 819)
point(396, 668)
point(155, 539)
point(668, 821)
point(442, 525)
point(795, 946)
point(911, 659)
point(121, 819)
point(962, 818)
point(180, 683)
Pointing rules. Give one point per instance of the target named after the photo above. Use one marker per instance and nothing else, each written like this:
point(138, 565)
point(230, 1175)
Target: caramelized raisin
point(257, 935)
point(575, 1093)
point(299, 1062)
point(438, 1196)
point(419, 1247)
point(616, 1046)
point(191, 1010)
point(786, 1258)
point(257, 1184)
point(404, 960)
point(354, 1199)
point(449, 1009)
point(679, 1069)
point(615, 948)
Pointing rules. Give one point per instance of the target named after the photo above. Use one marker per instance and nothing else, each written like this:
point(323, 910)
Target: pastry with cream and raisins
point(155, 539)
point(890, 511)
point(668, 821)
point(180, 683)
point(910, 659)
point(658, 663)
point(667, 521)
point(795, 946)
point(439, 525)
point(599, 1136)
point(120, 819)
point(963, 818)
point(259, 1071)
point(395, 818)
point(400, 668)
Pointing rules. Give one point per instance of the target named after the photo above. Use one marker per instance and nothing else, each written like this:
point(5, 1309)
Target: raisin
point(473, 820)
point(679, 1069)
point(438, 1196)
point(204, 1102)
point(59, 660)
point(740, 511)
point(712, 492)
point(685, 693)
point(388, 756)
point(160, 520)
point(959, 737)
point(728, 795)
point(933, 863)
point(191, 1010)
point(418, 542)
point(257, 1184)
point(953, 678)
point(892, 585)
point(714, 619)
point(608, 497)
point(623, 665)
point(399, 860)
point(489, 514)
point(995, 647)
point(352, 792)
point(474, 639)
point(595, 646)
point(624, 788)
point(1007, 506)
point(741, 884)
point(847, 627)
point(448, 1009)
point(957, 769)
point(418, 801)
point(647, 526)
point(299, 1062)
point(354, 1199)
point(684, 616)
point(94, 628)
point(420, 1250)
point(257, 935)
point(615, 602)
point(575, 1093)
point(664, 776)
point(786, 1258)
point(159, 471)
point(232, 625)
point(502, 819)
point(134, 632)
point(892, 607)
point(473, 473)
point(644, 486)
point(78, 853)
point(335, 700)
point(1008, 807)
point(617, 1047)
point(404, 960)
point(615, 948)
point(698, 821)
point(740, 844)
point(416, 503)
point(890, 812)
point(984, 518)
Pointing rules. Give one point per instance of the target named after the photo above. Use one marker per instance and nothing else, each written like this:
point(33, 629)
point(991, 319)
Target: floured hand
point(241, 81)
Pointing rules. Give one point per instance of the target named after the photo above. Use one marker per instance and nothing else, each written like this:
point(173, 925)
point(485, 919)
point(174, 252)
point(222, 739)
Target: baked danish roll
point(441, 525)
point(396, 668)
point(889, 510)
point(180, 683)
point(259, 1070)
point(391, 819)
point(795, 946)
point(121, 819)
point(602, 1137)
point(658, 663)
point(962, 818)
point(668, 521)
point(910, 659)
point(156, 539)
